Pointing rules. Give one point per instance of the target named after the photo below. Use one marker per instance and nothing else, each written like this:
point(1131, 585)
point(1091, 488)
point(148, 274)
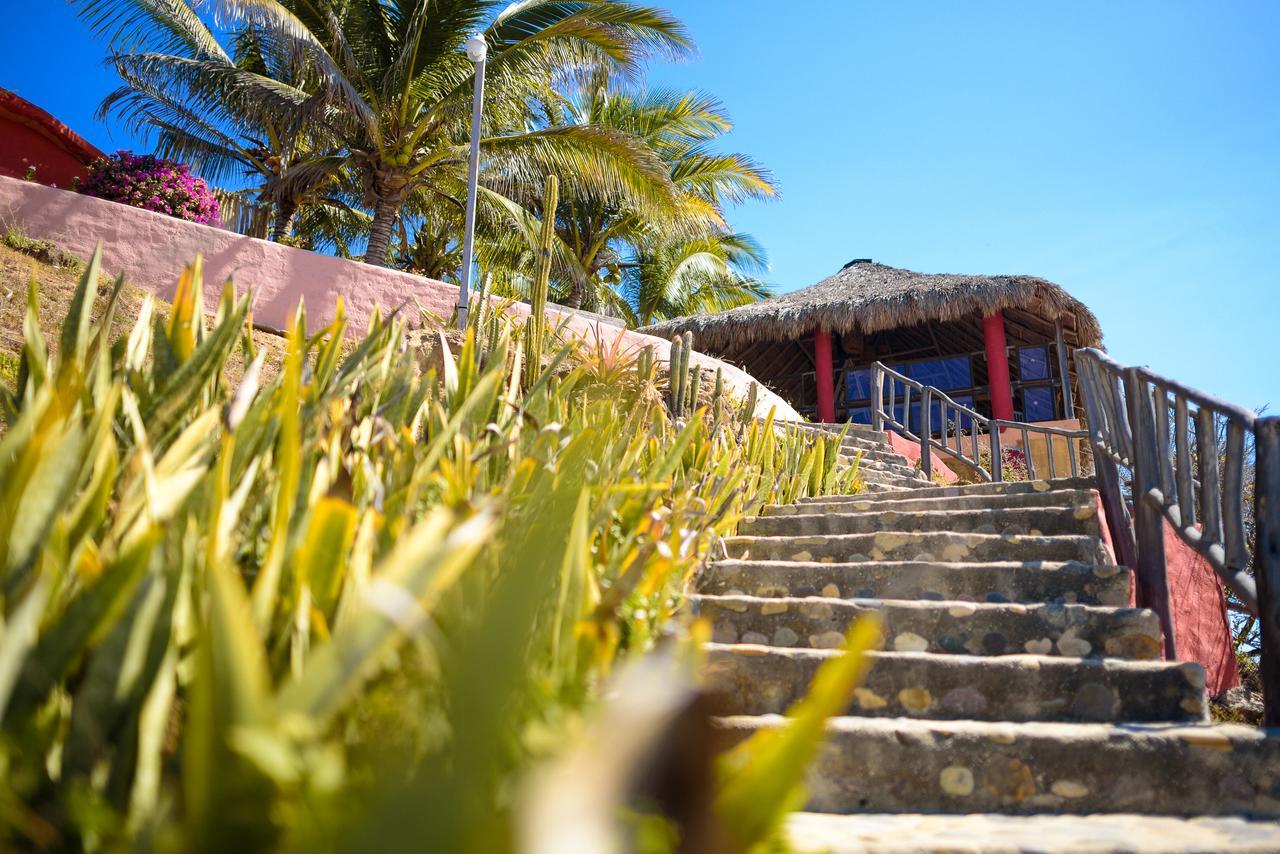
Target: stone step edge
point(972, 609)
point(997, 833)
point(1022, 660)
point(1007, 488)
point(955, 512)
point(1069, 497)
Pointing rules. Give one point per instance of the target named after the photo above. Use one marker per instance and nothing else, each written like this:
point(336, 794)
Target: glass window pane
point(1033, 363)
point(946, 374)
point(858, 384)
point(860, 415)
point(1037, 404)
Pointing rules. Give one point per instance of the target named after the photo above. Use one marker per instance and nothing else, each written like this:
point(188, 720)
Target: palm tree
point(283, 160)
point(605, 239)
point(387, 81)
point(696, 276)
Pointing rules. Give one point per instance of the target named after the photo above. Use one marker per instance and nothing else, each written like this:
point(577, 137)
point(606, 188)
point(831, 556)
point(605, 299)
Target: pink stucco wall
point(151, 250)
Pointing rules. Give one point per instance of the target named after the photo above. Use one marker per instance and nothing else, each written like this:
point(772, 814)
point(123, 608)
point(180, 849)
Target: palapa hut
point(999, 344)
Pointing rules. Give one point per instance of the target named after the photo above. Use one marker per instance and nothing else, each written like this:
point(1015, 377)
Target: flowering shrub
point(153, 184)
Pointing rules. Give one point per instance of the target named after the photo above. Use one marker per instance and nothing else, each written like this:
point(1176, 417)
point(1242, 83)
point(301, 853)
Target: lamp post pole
point(477, 51)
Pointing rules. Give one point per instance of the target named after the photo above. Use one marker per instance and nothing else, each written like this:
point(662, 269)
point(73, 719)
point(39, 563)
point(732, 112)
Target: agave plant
point(341, 602)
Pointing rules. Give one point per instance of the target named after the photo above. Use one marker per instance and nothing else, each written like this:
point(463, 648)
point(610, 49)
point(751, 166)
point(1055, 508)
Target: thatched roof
point(871, 297)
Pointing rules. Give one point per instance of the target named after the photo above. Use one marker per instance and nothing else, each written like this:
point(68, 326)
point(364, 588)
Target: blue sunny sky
point(1129, 151)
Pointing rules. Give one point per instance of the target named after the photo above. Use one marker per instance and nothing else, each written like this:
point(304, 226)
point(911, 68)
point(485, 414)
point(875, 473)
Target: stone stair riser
point(929, 546)
point(868, 466)
point(1019, 488)
point(931, 581)
point(952, 628)
point(863, 503)
point(962, 767)
point(756, 680)
point(1034, 521)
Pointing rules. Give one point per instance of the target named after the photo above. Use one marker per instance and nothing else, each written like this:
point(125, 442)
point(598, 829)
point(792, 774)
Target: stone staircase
point(1019, 704)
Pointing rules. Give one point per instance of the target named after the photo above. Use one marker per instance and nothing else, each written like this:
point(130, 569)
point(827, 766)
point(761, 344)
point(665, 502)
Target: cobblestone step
point(860, 431)
point(952, 628)
point(901, 765)
point(1080, 582)
point(898, 468)
point(862, 503)
point(873, 479)
point(758, 680)
point(992, 833)
point(1034, 521)
point(913, 545)
point(1019, 488)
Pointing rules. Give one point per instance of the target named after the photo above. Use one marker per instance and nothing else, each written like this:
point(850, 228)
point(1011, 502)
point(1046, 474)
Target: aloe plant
point(340, 602)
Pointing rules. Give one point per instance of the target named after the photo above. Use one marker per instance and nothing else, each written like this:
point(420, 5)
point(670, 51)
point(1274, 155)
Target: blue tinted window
point(858, 384)
point(1037, 404)
point(945, 374)
point(1033, 363)
point(860, 415)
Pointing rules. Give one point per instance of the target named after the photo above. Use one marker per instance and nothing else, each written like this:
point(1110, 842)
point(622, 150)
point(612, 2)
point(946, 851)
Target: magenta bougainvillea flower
point(153, 184)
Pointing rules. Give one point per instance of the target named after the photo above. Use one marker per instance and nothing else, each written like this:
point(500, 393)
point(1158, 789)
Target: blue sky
point(1129, 151)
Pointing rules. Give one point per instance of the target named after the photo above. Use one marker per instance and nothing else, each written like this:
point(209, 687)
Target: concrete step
point(872, 477)
point(872, 451)
point(918, 546)
point(873, 488)
point(1082, 582)
point(1035, 521)
point(899, 765)
point(1017, 488)
point(913, 833)
point(897, 467)
point(911, 504)
point(751, 679)
point(860, 431)
point(953, 628)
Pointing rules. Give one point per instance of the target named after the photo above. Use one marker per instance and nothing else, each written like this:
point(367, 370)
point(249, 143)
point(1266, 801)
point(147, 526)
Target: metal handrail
point(1141, 421)
point(882, 414)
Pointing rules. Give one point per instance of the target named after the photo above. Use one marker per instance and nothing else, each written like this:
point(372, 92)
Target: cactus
point(695, 379)
point(686, 356)
point(717, 397)
point(750, 411)
point(674, 376)
point(644, 364)
point(536, 329)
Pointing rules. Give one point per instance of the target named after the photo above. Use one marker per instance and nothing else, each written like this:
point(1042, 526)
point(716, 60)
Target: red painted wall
point(1200, 624)
point(31, 137)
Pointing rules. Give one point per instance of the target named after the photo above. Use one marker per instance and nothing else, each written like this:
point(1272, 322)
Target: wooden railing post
point(1153, 583)
point(997, 453)
point(877, 397)
point(1267, 560)
point(926, 430)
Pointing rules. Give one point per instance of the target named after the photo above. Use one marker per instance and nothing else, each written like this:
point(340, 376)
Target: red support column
point(998, 366)
point(824, 376)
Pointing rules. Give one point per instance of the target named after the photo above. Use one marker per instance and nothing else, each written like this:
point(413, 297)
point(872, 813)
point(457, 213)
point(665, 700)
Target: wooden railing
point(952, 436)
point(1186, 456)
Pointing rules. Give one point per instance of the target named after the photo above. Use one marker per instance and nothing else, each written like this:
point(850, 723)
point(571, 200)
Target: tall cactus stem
point(537, 325)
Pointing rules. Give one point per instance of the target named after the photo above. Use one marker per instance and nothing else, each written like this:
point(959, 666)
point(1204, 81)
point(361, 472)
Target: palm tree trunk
point(384, 217)
point(577, 290)
point(286, 213)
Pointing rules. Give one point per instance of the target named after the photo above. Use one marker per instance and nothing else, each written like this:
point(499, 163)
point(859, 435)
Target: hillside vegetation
point(350, 605)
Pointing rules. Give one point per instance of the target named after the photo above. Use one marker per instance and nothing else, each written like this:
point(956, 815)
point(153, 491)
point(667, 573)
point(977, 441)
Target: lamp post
point(477, 51)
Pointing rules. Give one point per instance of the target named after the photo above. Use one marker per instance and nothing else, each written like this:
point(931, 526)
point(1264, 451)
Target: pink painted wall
point(150, 249)
point(911, 450)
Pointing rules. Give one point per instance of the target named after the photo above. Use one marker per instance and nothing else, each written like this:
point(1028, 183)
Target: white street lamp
point(477, 51)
